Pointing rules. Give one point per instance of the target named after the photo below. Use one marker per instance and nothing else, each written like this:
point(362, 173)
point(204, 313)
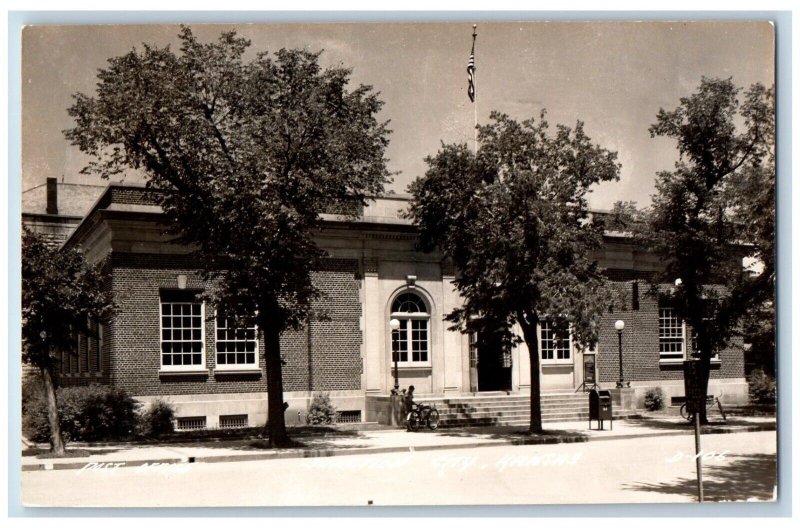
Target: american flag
point(471, 75)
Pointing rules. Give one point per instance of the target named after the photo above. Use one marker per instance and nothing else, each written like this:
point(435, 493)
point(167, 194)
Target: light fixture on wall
point(394, 324)
point(182, 280)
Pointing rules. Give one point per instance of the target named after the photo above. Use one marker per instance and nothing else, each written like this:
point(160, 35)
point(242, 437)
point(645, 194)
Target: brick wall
point(333, 361)
point(136, 347)
point(640, 344)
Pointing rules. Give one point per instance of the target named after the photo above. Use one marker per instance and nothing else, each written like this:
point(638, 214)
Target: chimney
point(52, 195)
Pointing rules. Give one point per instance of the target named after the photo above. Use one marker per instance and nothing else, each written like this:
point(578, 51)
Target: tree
point(716, 209)
point(61, 294)
point(758, 331)
point(514, 220)
point(245, 156)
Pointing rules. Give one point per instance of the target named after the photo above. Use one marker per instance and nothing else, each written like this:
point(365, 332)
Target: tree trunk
point(532, 341)
point(56, 440)
point(704, 371)
point(276, 421)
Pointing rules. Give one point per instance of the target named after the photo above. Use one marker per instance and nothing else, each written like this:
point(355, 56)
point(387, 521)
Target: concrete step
point(503, 409)
point(512, 421)
point(497, 406)
point(523, 398)
point(478, 415)
point(509, 409)
point(495, 399)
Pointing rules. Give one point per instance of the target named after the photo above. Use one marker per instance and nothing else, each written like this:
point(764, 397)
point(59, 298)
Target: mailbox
point(600, 408)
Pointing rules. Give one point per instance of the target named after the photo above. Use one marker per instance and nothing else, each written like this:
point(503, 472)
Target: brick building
point(165, 344)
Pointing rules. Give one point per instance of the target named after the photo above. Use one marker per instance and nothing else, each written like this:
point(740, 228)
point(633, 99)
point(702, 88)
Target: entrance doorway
point(494, 364)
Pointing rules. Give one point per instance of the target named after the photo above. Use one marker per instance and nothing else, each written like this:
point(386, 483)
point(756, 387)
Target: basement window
point(191, 423)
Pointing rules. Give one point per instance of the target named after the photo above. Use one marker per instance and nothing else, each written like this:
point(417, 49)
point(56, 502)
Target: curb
point(330, 452)
point(720, 430)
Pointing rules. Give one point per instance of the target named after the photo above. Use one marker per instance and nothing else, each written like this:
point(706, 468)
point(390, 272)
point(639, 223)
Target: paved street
point(739, 466)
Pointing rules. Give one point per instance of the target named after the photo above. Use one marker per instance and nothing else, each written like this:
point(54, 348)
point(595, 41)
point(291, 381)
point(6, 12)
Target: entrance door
point(494, 364)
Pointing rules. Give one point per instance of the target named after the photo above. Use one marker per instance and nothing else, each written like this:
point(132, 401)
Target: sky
point(613, 76)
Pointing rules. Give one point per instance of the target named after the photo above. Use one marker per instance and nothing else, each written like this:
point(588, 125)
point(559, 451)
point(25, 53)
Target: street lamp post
point(394, 324)
point(620, 326)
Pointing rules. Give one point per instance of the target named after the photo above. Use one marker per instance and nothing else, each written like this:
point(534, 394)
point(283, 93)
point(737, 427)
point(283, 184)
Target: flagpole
point(475, 77)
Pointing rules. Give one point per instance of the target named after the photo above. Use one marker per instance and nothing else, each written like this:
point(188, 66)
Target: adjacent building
point(54, 209)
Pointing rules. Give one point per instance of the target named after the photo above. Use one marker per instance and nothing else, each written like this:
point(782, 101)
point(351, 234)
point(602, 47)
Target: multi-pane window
point(506, 360)
point(64, 361)
point(555, 347)
point(410, 342)
point(236, 347)
point(83, 353)
point(419, 340)
point(671, 335)
point(73, 361)
point(96, 348)
point(473, 350)
point(400, 343)
point(181, 334)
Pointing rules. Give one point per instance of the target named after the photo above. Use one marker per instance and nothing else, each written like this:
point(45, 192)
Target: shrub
point(89, 413)
point(157, 420)
point(762, 387)
point(34, 410)
point(32, 389)
point(654, 399)
point(321, 410)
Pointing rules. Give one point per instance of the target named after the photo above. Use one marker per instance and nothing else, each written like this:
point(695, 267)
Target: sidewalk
point(378, 441)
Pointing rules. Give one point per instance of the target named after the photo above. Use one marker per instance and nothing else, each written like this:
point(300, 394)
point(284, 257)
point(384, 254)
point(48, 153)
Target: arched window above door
point(411, 341)
point(409, 303)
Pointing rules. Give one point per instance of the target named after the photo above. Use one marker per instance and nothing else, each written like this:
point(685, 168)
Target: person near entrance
point(409, 403)
point(410, 398)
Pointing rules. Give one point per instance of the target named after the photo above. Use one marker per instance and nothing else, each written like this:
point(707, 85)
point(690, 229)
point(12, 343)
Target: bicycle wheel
point(686, 414)
point(413, 421)
point(721, 410)
point(433, 419)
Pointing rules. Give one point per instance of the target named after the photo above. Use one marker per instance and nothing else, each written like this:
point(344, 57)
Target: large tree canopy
point(246, 155)
point(61, 294)
point(716, 209)
point(514, 220)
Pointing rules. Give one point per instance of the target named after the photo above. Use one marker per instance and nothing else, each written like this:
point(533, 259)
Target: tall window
point(671, 335)
point(410, 342)
point(97, 348)
point(236, 347)
point(555, 348)
point(181, 333)
point(83, 353)
point(473, 350)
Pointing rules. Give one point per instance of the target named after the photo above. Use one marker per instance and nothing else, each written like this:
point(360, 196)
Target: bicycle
point(710, 402)
point(423, 414)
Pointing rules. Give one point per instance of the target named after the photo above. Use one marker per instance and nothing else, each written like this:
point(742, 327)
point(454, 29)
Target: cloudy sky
point(614, 76)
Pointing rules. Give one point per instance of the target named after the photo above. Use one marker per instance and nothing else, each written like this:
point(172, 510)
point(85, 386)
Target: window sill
point(186, 372)
point(237, 371)
point(421, 366)
point(549, 364)
point(678, 364)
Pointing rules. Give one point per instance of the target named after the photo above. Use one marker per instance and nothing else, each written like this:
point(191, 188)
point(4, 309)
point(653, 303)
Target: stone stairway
point(514, 409)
